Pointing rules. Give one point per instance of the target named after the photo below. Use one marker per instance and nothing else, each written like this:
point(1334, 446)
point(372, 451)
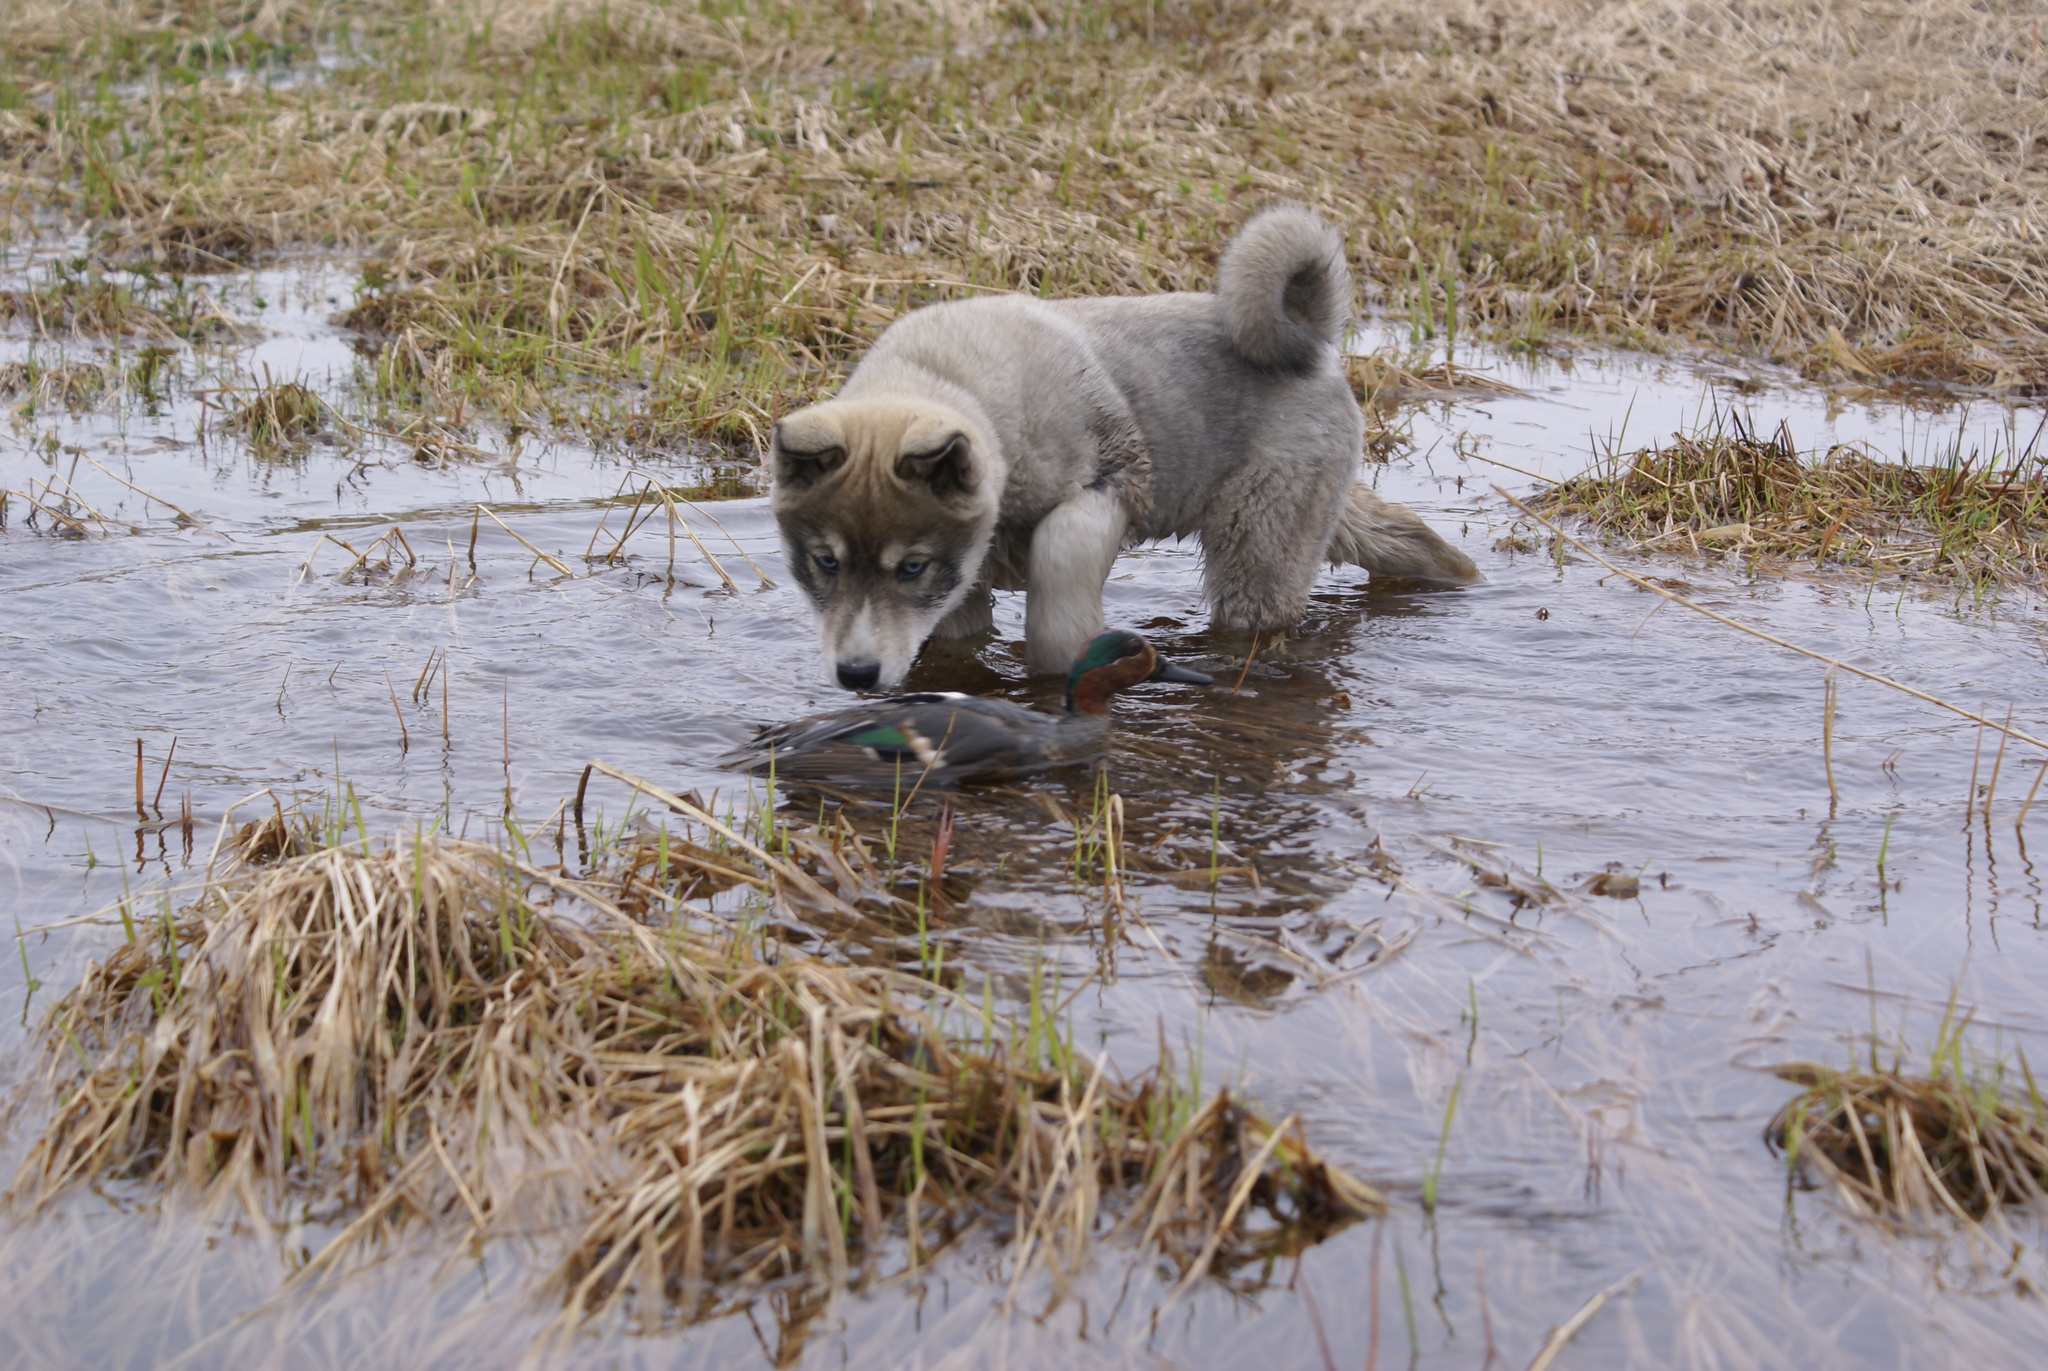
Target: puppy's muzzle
point(859, 673)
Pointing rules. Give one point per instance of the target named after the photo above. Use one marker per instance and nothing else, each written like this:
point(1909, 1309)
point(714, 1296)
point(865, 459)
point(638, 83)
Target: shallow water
point(1603, 1054)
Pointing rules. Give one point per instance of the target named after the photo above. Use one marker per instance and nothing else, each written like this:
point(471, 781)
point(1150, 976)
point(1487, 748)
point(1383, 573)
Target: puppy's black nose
point(859, 675)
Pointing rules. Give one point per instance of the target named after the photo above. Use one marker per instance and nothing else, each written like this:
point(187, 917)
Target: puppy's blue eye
point(826, 562)
point(912, 568)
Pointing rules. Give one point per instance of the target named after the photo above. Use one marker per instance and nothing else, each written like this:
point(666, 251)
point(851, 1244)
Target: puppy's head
point(886, 509)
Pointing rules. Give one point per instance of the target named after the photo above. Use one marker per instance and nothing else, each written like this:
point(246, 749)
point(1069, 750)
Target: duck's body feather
point(939, 738)
point(945, 739)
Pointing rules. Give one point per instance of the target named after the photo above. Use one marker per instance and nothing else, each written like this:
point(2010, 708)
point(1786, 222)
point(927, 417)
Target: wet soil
point(1412, 807)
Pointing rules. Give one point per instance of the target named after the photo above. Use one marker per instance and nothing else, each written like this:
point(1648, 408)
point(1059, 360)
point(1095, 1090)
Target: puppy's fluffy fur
point(1011, 442)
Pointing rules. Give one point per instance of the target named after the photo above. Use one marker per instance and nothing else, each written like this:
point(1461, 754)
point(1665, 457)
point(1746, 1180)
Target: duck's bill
point(1167, 671)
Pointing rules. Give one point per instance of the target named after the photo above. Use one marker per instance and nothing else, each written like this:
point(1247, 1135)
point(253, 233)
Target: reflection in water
point(1357, 874)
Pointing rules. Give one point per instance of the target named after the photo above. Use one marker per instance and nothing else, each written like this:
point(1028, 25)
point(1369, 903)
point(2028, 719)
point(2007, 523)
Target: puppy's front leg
point(1072, 550)
point(975, 614)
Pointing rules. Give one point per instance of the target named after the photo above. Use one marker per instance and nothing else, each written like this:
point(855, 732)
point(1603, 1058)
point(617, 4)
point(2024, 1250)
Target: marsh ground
point(521, 259)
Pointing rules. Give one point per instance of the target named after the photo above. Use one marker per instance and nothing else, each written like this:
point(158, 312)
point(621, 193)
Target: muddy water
point(1382, 772)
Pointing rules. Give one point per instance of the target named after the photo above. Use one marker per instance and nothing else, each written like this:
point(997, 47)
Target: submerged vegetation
point(666, 222)
point(1972, 516)
point(383, 1033)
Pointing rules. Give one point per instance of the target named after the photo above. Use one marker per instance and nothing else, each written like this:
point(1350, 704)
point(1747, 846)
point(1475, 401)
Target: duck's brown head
point(1116, 660)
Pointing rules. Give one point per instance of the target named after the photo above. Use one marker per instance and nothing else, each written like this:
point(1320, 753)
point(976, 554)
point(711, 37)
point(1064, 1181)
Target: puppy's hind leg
point(1072, 550)
point(1263, 537)
point(1391, 540)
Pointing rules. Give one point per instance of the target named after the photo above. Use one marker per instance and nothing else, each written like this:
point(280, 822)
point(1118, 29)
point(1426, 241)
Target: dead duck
point(943, 738)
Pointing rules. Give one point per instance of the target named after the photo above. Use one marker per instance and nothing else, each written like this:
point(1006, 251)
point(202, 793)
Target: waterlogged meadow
point(1629, 961)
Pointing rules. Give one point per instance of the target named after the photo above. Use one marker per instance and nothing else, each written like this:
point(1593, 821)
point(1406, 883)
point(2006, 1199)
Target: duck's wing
point(869, 722)
point(940, 737)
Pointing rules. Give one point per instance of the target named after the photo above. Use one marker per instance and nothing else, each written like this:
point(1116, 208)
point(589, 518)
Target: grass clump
point(73, 298)
point(36, 386)
point(186, 245)
point(279, 417)
point(1915, 1148)
point(81, 305)
point(1970, 515)
point(434, 1032)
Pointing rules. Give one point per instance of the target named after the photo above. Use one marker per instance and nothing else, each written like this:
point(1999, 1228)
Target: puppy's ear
point(806, 448)
point(945, 464)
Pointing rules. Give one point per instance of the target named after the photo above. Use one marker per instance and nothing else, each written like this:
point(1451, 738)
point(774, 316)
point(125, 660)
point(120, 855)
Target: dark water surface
point(1604, 1053)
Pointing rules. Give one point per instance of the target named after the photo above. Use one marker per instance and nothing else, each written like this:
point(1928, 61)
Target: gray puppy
point(1017, 443)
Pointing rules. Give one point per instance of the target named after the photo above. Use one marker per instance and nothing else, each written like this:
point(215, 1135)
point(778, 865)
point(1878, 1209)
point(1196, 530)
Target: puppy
point(1007, 442)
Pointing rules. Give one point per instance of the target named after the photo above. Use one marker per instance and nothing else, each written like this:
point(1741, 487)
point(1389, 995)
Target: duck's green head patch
point(1103, 650)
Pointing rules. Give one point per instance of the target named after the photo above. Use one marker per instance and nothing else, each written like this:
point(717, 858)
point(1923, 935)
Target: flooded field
point(1512, 893)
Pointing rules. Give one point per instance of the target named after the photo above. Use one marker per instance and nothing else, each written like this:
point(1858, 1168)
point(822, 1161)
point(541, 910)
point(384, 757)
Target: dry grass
point(1388, 391)
point(1972, 516)
point(1915, 1148)
point(186, 246)
point(435, 1033)
point(76, 300)
point(279, 417)
point(72, 306)
point(707, 210)
point(35, 386)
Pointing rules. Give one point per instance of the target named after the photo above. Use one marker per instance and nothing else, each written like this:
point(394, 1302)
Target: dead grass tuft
point(273, 837)
point(437, 1033)
point(1387, 390)
point(72, 299)
point(189, 246)
point(35, 386)
point(1914, 1148)
point(279, 418)
point(1973, 516)
point(80, 306)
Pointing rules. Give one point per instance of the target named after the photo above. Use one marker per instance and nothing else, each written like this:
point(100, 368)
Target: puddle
point(1392, 775)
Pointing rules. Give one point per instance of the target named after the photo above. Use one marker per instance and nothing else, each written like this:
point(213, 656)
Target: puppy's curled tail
point(1284, 289)
point(1391, 540)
